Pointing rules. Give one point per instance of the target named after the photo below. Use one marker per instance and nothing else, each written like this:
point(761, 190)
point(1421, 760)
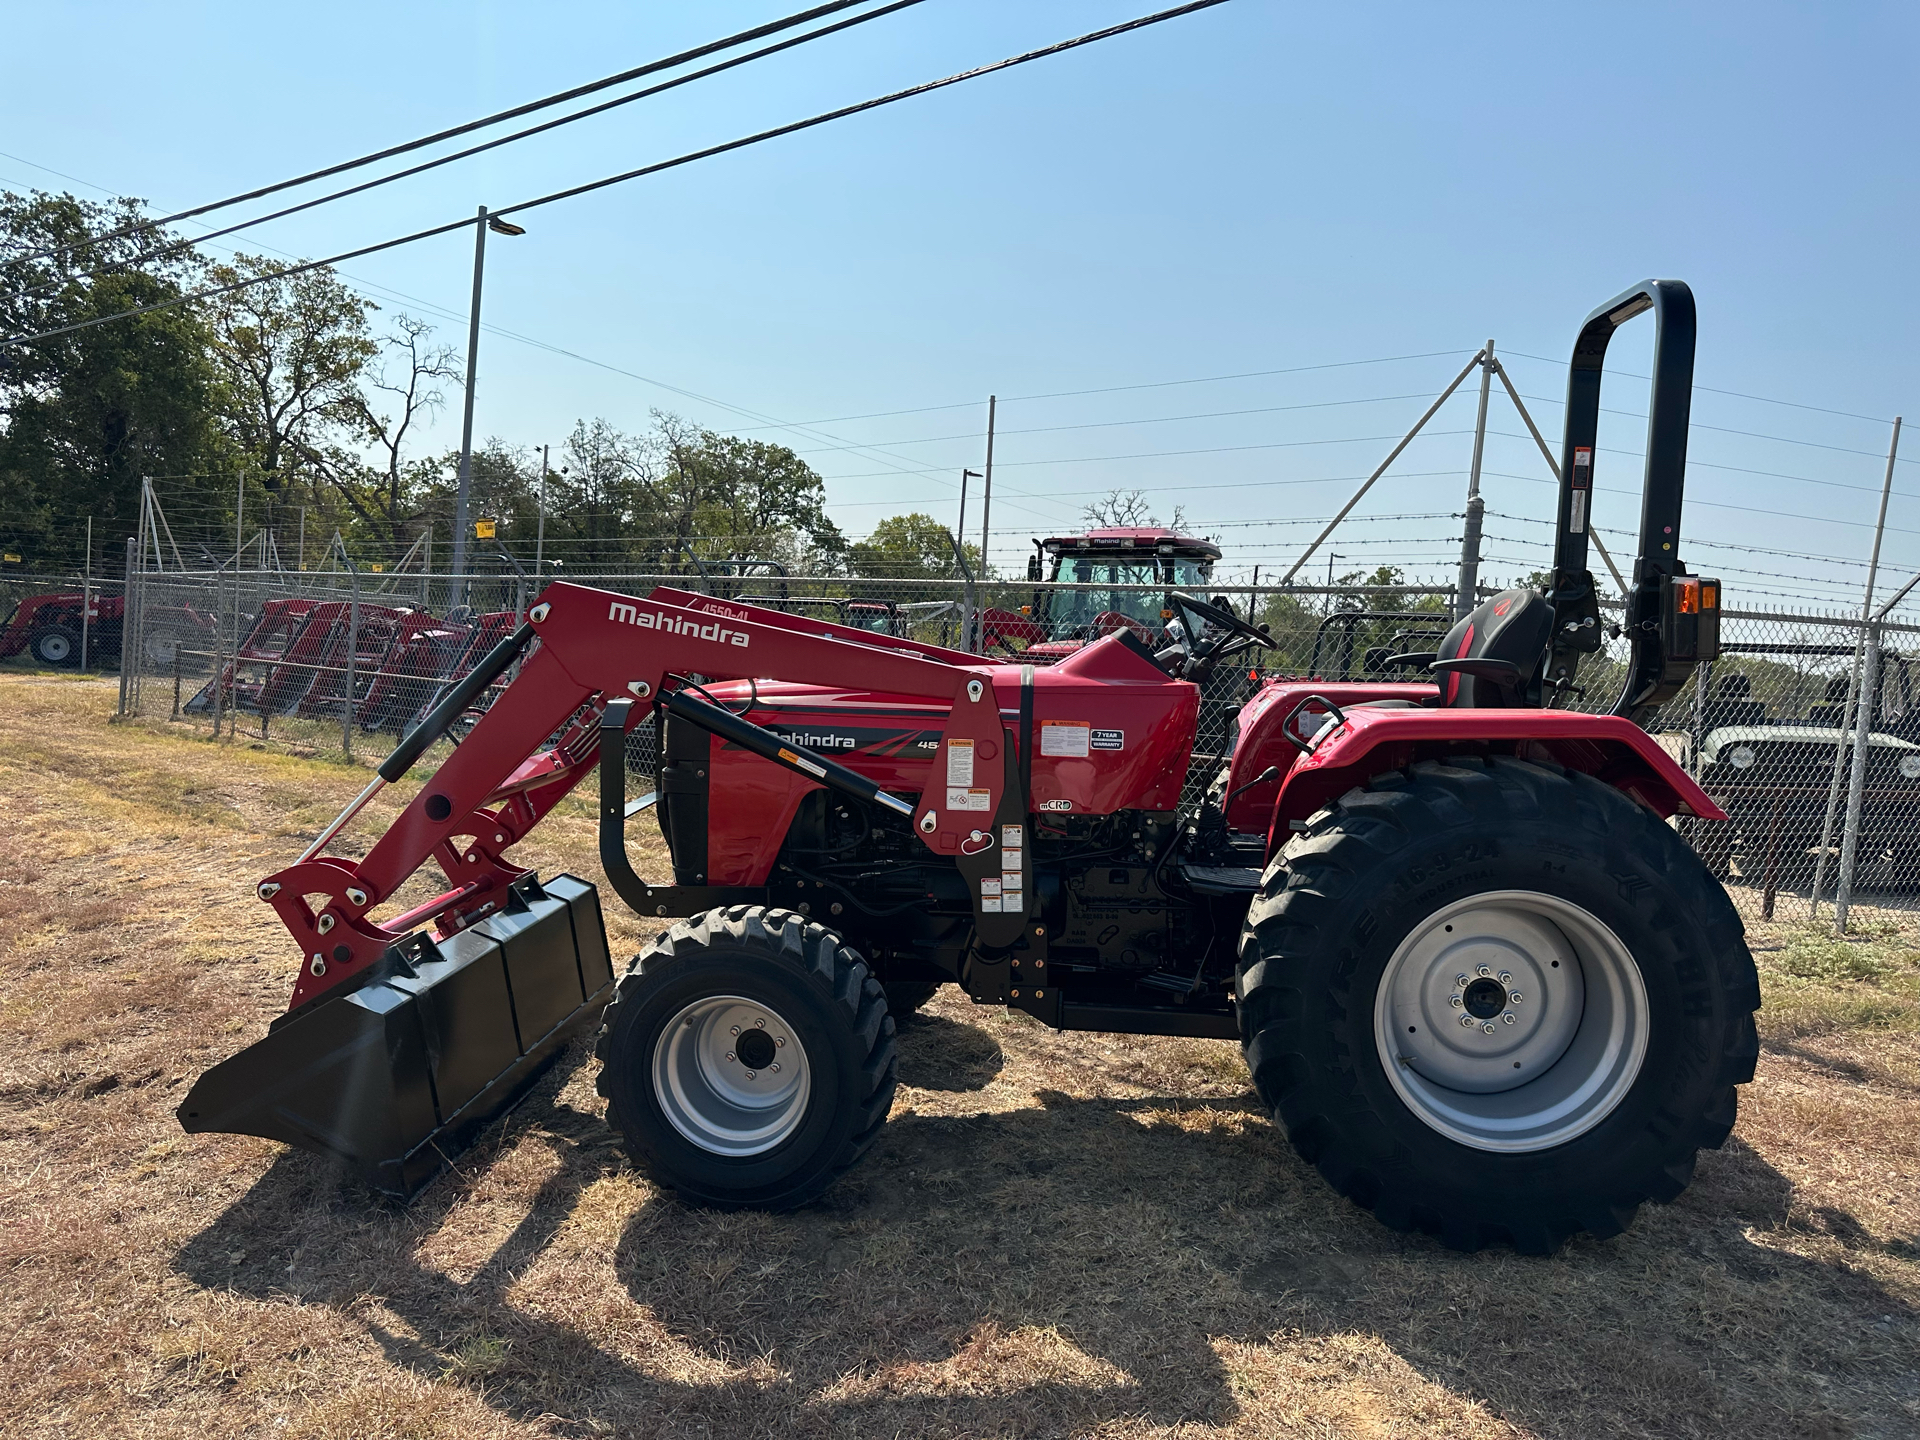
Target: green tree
point(84, 416)
point(911, 547)
point(724, 498)
point(292, 351)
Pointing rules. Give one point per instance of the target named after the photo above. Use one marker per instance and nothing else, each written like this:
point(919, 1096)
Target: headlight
point(1910, 765)
point(1741, 757)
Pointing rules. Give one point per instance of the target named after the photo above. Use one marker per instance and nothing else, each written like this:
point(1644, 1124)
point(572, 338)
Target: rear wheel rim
point(55, 648)
point(731, 1076)
point(1511, 1021)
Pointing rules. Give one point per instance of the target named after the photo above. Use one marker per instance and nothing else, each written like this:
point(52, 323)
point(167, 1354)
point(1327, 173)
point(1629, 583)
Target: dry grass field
point(1056, 1235)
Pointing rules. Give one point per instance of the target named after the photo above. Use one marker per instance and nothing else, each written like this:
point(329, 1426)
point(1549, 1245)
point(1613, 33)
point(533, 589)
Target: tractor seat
point(1508, 637)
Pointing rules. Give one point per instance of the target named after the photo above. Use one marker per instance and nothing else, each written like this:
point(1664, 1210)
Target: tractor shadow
point(941, 1054)
point(1085, 1263)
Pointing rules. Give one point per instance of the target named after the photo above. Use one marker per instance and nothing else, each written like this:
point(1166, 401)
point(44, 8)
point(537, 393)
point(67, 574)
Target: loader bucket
point(403, 1072)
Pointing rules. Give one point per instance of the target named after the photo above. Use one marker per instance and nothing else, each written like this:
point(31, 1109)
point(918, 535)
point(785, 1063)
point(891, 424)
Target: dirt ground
point(1056, 1235)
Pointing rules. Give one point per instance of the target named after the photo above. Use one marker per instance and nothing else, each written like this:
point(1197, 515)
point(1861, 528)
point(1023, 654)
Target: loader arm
point(595, 646)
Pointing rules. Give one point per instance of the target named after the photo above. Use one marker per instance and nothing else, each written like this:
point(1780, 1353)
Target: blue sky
point(1255, 189)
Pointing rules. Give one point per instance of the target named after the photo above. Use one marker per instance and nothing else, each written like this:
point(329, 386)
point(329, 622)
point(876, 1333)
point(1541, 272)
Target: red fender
point(1371, 741)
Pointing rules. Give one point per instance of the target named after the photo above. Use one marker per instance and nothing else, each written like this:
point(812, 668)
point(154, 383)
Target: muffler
point(400, 1074)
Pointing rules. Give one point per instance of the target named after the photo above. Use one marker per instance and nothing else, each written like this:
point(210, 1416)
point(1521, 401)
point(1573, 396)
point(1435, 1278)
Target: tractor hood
point(1731, 735)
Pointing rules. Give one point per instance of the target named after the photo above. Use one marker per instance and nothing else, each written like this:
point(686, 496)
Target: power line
point(652, 90)
point(777, 131)
point(650, 68)
point(1714, 504)
point(1730, 430)
point(1184, 489)
point(1144, 385)
point(1736, 394)
point(1152, 420)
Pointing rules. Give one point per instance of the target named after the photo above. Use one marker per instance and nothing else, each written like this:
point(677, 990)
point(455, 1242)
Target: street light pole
point(986, 489)
point(961, 528)
point(482, 223)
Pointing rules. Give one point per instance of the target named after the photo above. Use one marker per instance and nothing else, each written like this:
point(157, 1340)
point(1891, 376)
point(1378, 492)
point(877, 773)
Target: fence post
point(86, 597)
point(353, 648)
point(1866, 624)
point(1857, 782)
point(219, 656)
point(1469, 588)
point(126, 618)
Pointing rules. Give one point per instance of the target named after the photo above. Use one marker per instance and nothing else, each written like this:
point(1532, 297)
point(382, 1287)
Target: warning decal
point(960, 763)
point(958, 799)
point(1067, 739)
point(801, 762)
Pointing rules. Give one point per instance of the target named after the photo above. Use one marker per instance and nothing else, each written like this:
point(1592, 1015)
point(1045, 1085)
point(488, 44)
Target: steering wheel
point(1222, 618)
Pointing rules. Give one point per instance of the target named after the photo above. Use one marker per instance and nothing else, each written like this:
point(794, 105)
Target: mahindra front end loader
point(1477, 978)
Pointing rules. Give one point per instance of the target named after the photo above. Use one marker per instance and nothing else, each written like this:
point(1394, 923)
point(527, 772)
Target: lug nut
point(734, 1031)
point(750, 1075)
point(1467, 1020)
point(1486, 971)
point(729, 1056)
point(774, 1066)
point(1458, 1001)
point(1515, 996)
point(1506, 977)
point(1488, 1027)
point(779, 1039)
point(1508, 1018)
point(759, 1024)
point(1461, 980)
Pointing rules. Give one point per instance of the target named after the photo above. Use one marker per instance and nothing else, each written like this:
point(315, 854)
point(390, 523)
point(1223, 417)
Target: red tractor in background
point(50, 628)
point(294, 662)
point(1058, 622)
point(1476, 976)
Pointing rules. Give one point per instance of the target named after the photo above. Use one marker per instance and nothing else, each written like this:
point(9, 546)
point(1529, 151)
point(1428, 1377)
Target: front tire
point(57, 646)
point(747, 1058)
point(906, 997)
point(1622, 964)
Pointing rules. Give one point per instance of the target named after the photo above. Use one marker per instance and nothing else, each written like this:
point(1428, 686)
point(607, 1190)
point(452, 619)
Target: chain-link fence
point(346, 661)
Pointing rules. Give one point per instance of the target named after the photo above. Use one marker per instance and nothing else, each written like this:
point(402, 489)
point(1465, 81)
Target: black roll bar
point(1650, 678)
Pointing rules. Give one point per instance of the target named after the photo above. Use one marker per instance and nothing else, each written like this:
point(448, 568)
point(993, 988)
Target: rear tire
point(747, 1058)
point(1641, 1033)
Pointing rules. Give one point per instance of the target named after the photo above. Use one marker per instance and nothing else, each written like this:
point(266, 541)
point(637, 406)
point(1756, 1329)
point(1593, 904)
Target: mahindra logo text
point(820, 742)
point(674, 625)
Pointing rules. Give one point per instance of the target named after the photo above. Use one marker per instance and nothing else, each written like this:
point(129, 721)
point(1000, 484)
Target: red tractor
point(1105, 561)
point(49, 628)
point(1477, 978)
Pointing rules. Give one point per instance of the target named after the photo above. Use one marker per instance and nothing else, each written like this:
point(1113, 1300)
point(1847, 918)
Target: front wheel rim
point(731, 1075)
point(55, 648)
point(1511, 1021)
